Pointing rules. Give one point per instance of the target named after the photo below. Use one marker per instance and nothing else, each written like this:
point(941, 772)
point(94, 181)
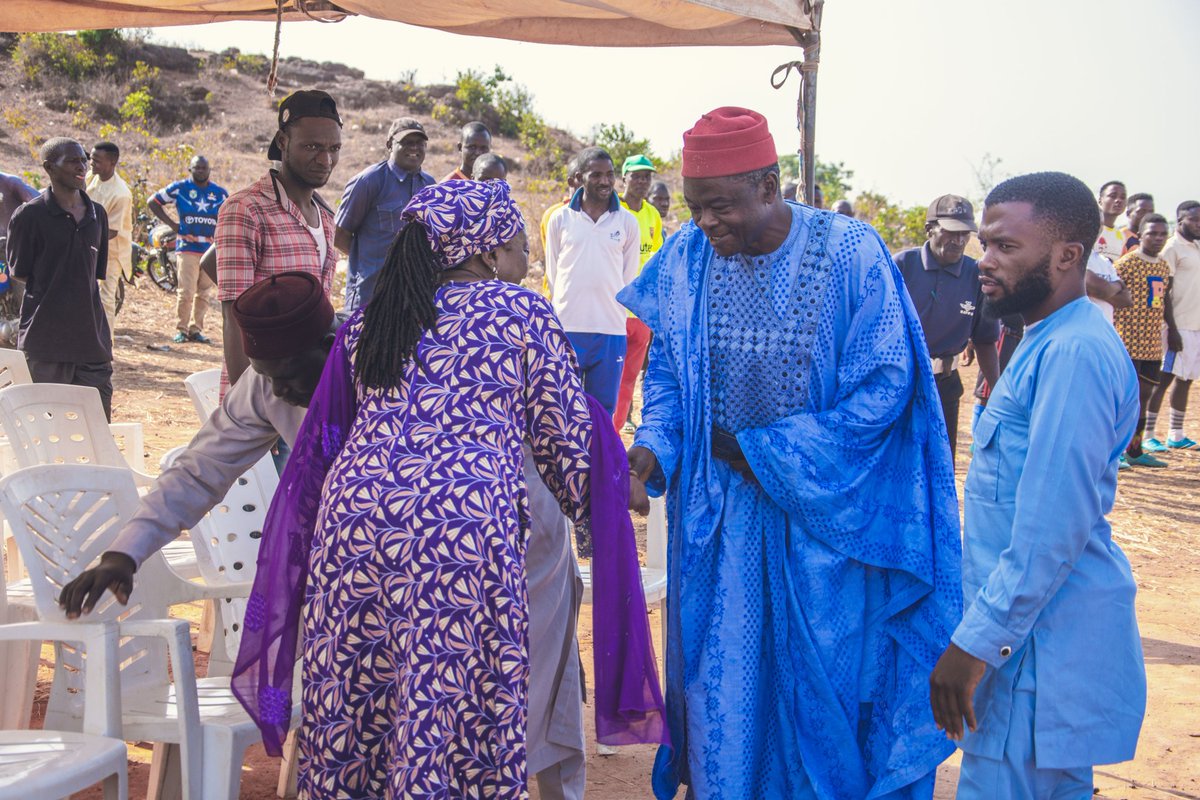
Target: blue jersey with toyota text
point(197, 208)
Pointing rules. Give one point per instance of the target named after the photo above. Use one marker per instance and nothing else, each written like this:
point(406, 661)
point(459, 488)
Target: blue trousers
point(601, 358)
point(1017, 776)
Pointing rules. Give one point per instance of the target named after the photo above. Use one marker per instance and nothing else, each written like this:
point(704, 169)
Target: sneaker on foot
point(1153, 445)
point(1122, 463)
point(179, 338)
point(1181, 444)
point(197, 336)
point(1146, 460)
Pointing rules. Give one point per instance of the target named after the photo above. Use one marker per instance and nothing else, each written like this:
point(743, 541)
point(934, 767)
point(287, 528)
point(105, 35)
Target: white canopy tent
point(594, 23)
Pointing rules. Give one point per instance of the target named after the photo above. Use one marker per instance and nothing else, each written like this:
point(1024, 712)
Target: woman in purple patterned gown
point(415, 666)
point(396, 541)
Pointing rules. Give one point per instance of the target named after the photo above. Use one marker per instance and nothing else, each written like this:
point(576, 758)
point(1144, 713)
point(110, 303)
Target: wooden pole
point(806, 101)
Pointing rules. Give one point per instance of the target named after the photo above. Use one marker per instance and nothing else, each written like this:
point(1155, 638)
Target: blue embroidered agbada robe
point(806, 608)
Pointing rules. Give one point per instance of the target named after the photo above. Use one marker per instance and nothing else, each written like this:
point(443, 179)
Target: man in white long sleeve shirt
point(593, 248)
point(288, 317)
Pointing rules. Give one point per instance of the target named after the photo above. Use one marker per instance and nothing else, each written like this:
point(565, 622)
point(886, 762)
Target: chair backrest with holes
point(52, 423)
point(13, 368)
point(64, 517)
point(229, 536)
point(205, 390)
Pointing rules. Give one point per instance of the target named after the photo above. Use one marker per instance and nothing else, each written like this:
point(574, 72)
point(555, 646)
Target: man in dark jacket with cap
point(369, 215)
point(943, 283)
point(280, 223)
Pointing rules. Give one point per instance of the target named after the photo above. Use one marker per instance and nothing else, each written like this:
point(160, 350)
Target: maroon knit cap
point(283, 315)
point(728, 141)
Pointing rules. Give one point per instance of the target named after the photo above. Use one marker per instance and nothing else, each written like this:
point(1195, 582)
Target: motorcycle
point(11, 294)
point(156, 255)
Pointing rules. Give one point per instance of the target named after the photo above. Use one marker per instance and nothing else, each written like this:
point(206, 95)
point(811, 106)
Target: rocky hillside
point(164, 104)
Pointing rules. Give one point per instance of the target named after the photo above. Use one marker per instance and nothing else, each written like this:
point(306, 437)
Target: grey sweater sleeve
point(236, 436)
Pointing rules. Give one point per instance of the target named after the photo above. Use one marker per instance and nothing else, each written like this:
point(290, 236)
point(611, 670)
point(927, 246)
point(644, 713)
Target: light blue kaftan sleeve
point(1057, 504)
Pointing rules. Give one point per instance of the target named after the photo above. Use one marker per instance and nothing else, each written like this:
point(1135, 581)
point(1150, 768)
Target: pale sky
point(911, 93)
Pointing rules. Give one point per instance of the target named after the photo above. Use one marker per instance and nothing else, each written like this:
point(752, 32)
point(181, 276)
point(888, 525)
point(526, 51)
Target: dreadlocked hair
point(400, 311)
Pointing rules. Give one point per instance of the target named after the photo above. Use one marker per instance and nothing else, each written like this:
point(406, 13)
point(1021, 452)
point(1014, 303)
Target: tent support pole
point(806, 102)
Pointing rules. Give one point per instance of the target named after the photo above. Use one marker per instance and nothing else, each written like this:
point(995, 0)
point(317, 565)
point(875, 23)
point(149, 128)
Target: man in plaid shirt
point(280, 223)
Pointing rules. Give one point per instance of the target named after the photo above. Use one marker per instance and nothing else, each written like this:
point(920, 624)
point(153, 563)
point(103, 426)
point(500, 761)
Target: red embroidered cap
point(728, 141)
point(283, 315)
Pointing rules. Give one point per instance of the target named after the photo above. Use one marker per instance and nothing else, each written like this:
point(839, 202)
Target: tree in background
point(901, 227)
point(621, 142)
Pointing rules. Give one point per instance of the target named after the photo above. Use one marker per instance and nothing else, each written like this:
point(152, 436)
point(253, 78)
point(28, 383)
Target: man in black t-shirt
point(58, 246)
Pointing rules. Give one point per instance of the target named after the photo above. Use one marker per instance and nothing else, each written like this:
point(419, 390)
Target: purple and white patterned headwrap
point(465, 218)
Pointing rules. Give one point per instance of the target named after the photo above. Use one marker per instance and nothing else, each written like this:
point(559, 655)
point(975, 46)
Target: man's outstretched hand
point(952, 690)
point(641, 464)
point(115, 573)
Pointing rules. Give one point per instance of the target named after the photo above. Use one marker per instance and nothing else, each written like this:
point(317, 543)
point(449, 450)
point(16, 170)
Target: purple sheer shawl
point(262, 674)
point(629, 706)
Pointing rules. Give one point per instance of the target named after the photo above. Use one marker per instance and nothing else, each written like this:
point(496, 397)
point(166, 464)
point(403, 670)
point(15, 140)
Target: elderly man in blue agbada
point(791, 418)
point(1046, 666)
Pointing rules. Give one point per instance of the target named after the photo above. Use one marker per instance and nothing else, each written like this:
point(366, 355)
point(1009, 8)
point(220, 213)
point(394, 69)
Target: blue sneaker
point(1146, 460)
point(1181, 444)
point(1153, 445)
point(1122, 463)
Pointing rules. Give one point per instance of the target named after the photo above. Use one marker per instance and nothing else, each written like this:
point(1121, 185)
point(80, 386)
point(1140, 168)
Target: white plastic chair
point(14, 369)
point(49, 764)
point(53, 423)
point(64, 517)
point(226, 541)
point(18, 659)
point(654, 576)
point(204, 388)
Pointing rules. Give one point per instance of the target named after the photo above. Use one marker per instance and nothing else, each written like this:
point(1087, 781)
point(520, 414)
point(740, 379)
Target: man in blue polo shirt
point(197, 201)
point(369, 216)
point(593, 247)
point(943, 283)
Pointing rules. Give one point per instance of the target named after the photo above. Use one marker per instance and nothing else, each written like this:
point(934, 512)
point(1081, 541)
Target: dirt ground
point(1156, 521)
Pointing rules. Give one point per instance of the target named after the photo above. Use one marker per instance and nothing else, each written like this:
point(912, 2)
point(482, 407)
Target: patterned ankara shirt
point(1140, 325)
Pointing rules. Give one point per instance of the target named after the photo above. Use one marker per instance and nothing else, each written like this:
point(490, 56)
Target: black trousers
point(98, 376)
point(950, 391)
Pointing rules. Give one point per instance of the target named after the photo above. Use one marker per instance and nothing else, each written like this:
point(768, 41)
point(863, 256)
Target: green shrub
point(512, 104)
point(39, 55)
point(137, 106)
point(106, 42)
point(234, 60)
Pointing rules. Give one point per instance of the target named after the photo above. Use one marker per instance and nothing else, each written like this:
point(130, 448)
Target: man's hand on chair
point(115, 573)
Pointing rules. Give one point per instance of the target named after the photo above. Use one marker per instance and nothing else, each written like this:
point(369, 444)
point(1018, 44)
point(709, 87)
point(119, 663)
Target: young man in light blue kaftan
point(791, 418)
point(1049, 644)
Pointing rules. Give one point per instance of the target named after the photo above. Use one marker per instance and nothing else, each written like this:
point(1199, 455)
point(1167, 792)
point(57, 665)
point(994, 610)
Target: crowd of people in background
point(828, 632)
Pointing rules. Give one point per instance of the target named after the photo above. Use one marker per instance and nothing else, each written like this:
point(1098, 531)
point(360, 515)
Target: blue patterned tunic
point(414, 651)
point(807, 606)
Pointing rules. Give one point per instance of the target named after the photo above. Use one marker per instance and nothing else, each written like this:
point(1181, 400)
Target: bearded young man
point(280, 223)
point(1046, 588)
point(791, 419)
